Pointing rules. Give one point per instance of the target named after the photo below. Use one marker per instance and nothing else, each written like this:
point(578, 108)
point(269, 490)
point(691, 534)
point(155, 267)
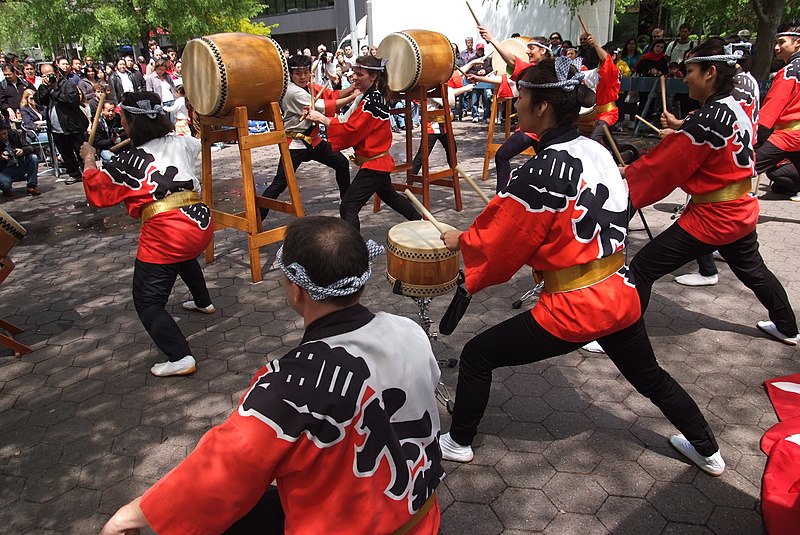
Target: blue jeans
point(486, 96)
point(26, 169)
point(399, 120)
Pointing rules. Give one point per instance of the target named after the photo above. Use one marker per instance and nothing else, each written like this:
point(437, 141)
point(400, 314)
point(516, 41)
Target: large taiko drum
point(417, 58)
point(417, 257)
point(10, 233)
point(227, 70)
point(517, 46)
point(587, 120)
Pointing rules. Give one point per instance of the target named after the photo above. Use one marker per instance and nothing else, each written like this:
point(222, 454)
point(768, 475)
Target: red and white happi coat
point(146, 173)
point(367, 129)
point(346, 423)
point(712, 149)
point(566, 206)
point(782, 105)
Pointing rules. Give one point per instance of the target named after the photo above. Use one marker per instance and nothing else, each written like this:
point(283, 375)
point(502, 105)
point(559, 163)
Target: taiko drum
point(417, 257)
point(517, 46)
point(10, 233)
point(417, 58)
point(227, 70)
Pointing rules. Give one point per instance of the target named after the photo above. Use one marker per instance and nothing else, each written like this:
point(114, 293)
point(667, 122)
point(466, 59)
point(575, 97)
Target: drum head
point(585, 112)
point(204, 76)
point(517, 46)
point(419, 237)
point(404, 60)
point(10, 226)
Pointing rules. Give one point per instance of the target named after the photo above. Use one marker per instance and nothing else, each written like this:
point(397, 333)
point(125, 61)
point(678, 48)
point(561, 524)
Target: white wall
point(452, 18)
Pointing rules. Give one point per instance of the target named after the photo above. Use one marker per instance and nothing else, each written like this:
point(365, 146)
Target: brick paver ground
point(566, 447)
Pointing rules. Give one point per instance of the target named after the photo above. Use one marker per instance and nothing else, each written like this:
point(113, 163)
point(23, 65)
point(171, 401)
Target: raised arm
point(506, 54)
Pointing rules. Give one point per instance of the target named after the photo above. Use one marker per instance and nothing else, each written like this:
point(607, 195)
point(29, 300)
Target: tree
point(104, 24)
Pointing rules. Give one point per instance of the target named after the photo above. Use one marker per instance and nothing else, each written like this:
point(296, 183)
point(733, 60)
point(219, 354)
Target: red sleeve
point(782, 93)
point(656, 174)
point(608, 87)
point(100, 191)
point(344, 135)
point(519, 66)
point(500, 241)
point(330, 96)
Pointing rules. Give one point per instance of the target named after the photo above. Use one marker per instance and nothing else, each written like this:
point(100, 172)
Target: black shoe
point(73, 180)
point(8, 193)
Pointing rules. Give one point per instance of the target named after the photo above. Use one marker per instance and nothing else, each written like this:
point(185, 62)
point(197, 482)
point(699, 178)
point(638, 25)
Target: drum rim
point(223, 76)
point(433, 290)
point(417, 58)
point(407, 250)
point(285, 66)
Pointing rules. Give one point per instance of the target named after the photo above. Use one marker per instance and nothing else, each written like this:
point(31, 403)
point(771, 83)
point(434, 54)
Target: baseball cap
point(480, 45)
point(744, 33)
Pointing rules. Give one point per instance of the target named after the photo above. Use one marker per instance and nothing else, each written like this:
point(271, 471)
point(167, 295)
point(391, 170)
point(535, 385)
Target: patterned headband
point(540, 45)
point(381, 68)
point(145, 108)
point(346, 286)
point(788, 34)
point(565, 82)
point(730, 57)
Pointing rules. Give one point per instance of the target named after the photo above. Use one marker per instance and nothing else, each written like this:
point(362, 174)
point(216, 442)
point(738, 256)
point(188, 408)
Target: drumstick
point(647, 123)
point(96, 117)
point(461, 70)
point(472, 184)
point(583, 24)
point(424, 212)
point(120, 145)
point(313, 96)
point(663, 92)
point(613, 145)
point(474, 16)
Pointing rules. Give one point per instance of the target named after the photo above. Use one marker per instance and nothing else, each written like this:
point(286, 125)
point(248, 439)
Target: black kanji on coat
point(547, 181)
point(607, 226)
point(744, 156)
point(712, 124)
point(792, 70)
point(166, 183)
point(129, 168)
point(199, 213)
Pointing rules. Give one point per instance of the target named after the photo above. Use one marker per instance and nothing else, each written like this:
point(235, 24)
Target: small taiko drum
point(517, 46)
point(10, 233)
point(587, 120)
point(417, 257)
point(227, 70)
point(417, 58)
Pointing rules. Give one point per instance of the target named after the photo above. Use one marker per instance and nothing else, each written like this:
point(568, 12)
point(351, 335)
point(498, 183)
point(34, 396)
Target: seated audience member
point(17, 160)
point(109, 131)
point(346, 423)
point(34, 122)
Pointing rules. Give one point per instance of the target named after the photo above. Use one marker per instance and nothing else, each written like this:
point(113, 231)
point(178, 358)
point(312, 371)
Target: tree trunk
point(772, 11)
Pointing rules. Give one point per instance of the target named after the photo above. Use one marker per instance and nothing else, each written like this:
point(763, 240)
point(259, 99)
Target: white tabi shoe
point(696, 279)
point(713, 465)
point(594, 347)
point(453, 451)
point(185, 366)
point(770, 328)
point(189, 305)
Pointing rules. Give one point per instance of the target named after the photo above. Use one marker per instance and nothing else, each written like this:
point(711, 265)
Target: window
point(277, 7)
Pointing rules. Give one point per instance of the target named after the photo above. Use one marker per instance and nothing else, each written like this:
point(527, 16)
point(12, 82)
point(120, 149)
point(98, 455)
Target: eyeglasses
point(555, 38)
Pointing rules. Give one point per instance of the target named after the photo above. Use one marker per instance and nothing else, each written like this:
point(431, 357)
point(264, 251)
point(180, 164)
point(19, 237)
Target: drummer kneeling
point(325, 421)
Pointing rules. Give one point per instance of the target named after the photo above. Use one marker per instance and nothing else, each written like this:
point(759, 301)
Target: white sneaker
point(795, 198)
point(453, 451)
point(770, 328)
point(189, 305)
point(185, 366)
point(696, 279)
point(594, 347)
point(716, 255)
point(713, 465)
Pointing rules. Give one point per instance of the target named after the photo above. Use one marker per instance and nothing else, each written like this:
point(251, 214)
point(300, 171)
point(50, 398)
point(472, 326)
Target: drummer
point(519, 141)
point(366, 128)
point(305, 142)
point(565, 214)
point(607, 89)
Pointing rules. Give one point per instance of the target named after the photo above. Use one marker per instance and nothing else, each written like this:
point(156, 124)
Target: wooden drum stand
point(491, 146)
point(421, 184)
point(248, 221)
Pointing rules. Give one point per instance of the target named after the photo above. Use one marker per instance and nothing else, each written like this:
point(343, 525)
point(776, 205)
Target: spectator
point(85, 108)
point(13, 60)
point(653, 63)
point(631, 54)
point(566, 45)
point(11, 94)
point(555, 43)
point(152, 46)
point(349, 56)
point(33, 121)
point(571, 52)
point(88, 61)
point(65, 119)
point(30, 74)
point(674, 70)
point(364, 50)
point(177, 75)
point(588, 53)
point(86, 85)
point(17, 160)
point(655, 35)
point(481, 92)
point(180, 112)
point(373, 51)
point(123, 81)
point(677, 49)
point(77, 71)
point(161, 84)
point(109, 131)
point(469, 53)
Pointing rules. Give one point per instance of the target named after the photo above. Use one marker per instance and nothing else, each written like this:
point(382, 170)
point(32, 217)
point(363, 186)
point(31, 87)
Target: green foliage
point(104, 24)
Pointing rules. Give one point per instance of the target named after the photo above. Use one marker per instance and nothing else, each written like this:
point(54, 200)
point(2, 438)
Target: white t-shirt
point(166, 90)
point(127, 84)
point(676, 51)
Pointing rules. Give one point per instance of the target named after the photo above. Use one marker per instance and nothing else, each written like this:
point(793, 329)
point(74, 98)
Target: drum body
point(417, 257)
point(517, 46)
point(10, 233)
point(586, 121)
point(226, 70)
point(417, 58)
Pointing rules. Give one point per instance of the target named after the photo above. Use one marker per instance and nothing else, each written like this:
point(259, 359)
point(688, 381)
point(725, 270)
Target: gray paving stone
point(735, 521)
point(571, 524)
point(462, 517)
point(575, 493)
point(474, 483)
point(679, 502)
point(623, 478)
point(630, 516)
point(525, 470)
point(527, 509)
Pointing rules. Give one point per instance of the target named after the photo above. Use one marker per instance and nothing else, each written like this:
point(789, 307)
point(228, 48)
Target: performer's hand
point(87, 152)
point(126, 521)
point(590, 39)
point(485, 35)
point(450, 239)
point(668, 120)
point(664, 132)
point(315, 116)
point(622, 169)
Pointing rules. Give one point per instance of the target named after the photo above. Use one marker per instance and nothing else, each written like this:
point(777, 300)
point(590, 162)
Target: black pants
point(322, 153)
point(785, 179)
point(432, 139)
point(599, 134)
point(513, 146)
point(365, 184)
point(69, 146)
point(266, 518)
point(767, 157)
point(706, 265)
point(675, 247)
point(520, 340)
point(152, 284)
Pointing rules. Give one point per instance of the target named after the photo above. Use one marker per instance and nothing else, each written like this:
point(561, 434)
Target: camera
point(12, 158)
point(51, 78)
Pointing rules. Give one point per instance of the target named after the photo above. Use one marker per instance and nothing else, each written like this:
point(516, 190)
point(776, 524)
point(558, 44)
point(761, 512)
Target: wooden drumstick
point(474, 16)
point(461, 70)
point(663, 92)
point(96, 120)
point(313, 96)
point(473, 185)
point(425, 213)
point(647, 123)
point(613, 145)
point(583, 24)
point(120, 145)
